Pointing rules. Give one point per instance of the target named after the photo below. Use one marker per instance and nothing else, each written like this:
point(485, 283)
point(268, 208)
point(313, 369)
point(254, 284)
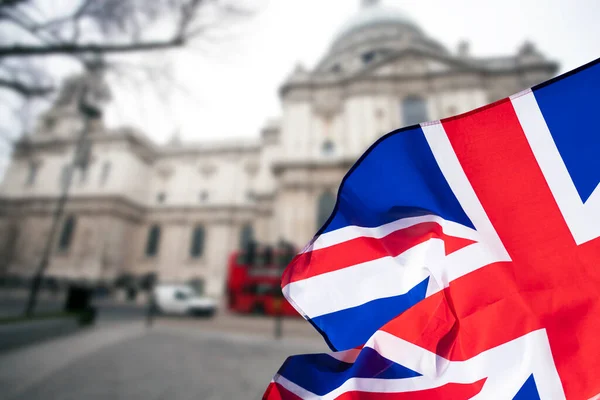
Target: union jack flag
point(462, 259)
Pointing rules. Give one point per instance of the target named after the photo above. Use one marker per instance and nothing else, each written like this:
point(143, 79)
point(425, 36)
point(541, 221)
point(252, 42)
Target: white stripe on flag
point(489, 247)
point(348, 356)
point(352, 232)
point(505, 368)
point(581, 218)
point(292, 387)
point(386, 277)
point(361, 283)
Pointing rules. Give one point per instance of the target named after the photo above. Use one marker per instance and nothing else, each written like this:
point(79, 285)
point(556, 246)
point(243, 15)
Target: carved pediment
point(410, 65)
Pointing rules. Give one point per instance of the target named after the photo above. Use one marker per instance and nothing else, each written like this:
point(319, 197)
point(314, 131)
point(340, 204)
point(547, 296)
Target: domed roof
point(374, 33)
point(373, 14)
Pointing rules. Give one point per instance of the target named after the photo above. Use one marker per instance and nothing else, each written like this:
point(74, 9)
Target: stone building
point(180, 209)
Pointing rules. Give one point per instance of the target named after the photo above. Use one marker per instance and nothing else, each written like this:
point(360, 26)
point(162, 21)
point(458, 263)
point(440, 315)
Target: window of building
point(83, 154)
point(161, 197)
point(32, 173)
point(368, 57)
point(65, 176)
point(325, 206)
point(327, 148)
point(66, 235)
point(414, 110)
point(105, 173)
point(197, 248)
point(203, 196)
point(83, 174)
point(246, 236)
point(153, 241)
point(50, 122)
point(10, 245)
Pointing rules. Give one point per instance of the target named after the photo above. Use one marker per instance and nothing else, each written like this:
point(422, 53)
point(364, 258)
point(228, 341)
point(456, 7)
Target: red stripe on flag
point(363, 249)
point(449, 391)
point(491, 306)
point(277, 392)
point(551, 282)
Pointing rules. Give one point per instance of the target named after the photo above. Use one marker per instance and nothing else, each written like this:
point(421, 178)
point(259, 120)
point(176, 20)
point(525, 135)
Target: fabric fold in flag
point(377, 248)
point(322, 373)
point(461, 259)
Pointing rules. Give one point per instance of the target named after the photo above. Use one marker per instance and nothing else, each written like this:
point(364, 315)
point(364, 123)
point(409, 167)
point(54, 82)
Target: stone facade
point(381, 72)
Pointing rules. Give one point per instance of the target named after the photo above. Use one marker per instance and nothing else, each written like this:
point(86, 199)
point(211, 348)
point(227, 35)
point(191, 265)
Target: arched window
point(325, 207)
point(65, 176)
point(83, 174)
point(203, 196)
point(66, 235)
point(327, 148)
point(105, 173)
point(10, 245)
point(246, 236)
point(197, 247)
point(368, 57)
point(414, 110)
point(153, 241)
point(32, 174)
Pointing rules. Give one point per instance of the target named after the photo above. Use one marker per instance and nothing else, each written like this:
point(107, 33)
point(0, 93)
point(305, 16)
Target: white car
point(182, 300)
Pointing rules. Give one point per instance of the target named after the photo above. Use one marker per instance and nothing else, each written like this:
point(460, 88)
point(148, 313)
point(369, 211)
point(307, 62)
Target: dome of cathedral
point(374, 33)
point(374, 14)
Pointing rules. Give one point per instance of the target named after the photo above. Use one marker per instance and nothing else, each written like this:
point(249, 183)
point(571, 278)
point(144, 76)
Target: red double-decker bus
point(254, 280)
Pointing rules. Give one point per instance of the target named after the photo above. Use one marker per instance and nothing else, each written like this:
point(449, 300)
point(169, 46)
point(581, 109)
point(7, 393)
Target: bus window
point(262, 289)
point(249, 289)
point(268, 256)
point(241, 258)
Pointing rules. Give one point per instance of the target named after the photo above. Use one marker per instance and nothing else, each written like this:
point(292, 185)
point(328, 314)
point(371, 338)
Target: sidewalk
point(129, 361)
point(23, 294)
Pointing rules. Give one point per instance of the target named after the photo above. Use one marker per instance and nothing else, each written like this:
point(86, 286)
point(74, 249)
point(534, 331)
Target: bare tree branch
point(61, 20)
point(67, 48)
point(11, 3)
point(25, 90)
point(78, 33)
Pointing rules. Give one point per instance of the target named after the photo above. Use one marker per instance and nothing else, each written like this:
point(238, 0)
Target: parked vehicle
point(254, 280)
point(181, 299)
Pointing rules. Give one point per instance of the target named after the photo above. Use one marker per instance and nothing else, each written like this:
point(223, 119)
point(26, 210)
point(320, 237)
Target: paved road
point(109, 312)
point(293, 328)
point(227, 357)
point(168, 361)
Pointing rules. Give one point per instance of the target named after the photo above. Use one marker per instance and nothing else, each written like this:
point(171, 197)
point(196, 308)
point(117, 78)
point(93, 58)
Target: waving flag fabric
point(462, 259)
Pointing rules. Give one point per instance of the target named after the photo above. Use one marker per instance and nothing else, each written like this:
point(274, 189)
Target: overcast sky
point(229, 89)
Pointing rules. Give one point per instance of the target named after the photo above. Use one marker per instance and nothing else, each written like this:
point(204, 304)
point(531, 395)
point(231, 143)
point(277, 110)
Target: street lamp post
point(285, 254)
point(90, 112)
point(278, 319)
